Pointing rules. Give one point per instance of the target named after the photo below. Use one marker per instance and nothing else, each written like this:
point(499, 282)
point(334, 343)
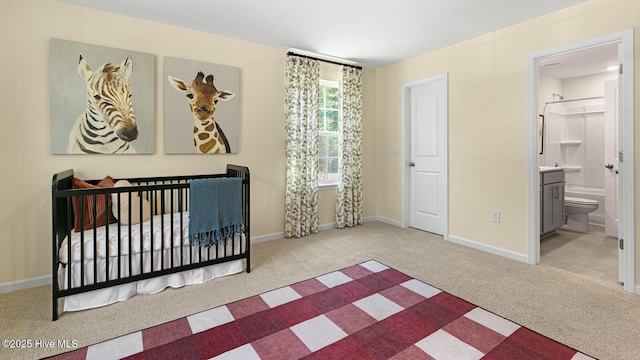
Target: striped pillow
point(101, 205)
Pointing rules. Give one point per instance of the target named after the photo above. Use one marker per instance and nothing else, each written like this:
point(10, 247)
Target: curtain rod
point(563, 101)
point(581, 99)
point(291, 53)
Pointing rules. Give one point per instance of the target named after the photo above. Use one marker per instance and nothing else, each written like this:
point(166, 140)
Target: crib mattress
point(164, 243)
point(163, 231)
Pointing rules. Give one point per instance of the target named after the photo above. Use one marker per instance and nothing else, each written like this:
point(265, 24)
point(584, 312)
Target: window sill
point(327, 186)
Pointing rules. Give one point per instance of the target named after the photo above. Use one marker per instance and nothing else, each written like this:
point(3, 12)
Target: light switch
point(395, 149)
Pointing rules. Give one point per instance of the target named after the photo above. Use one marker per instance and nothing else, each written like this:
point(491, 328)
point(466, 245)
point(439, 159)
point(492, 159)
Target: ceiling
point(373, 33)
point(590, 61)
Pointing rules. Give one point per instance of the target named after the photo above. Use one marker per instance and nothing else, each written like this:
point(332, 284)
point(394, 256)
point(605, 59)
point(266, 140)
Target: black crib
point(166, 195)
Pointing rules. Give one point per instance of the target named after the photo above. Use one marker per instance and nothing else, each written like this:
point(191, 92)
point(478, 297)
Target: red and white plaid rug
point(366, 311)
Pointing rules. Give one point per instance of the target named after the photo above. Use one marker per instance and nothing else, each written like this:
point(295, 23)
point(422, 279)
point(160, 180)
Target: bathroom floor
point(593, 254)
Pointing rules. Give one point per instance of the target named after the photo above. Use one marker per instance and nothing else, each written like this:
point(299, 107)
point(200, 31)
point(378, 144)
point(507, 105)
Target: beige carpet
point(594, 317)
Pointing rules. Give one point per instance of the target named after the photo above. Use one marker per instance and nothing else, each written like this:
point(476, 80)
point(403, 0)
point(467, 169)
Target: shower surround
point(574, 139)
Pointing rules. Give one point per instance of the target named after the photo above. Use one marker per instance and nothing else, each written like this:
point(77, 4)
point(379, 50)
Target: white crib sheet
point(166, 225)
point(162, 250)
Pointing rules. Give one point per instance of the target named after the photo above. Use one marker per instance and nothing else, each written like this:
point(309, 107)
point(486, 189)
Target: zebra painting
point(108, 123)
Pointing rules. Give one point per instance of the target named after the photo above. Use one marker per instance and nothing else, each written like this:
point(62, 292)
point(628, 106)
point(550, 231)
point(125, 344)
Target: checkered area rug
point(366, 311)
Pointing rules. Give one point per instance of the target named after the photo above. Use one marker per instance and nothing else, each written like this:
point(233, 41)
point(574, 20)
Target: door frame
point(406, 148)
point(626, 144)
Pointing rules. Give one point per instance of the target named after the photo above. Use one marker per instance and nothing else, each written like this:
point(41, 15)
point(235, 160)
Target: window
point(328, 133)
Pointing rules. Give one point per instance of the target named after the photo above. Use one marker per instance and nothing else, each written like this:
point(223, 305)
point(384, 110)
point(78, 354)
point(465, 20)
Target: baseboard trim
point(388, 221)
point(637, 289)
point(268, 237)
point(369, 219)
point(327, 226)
point(596, 220)
point(323, 227)
point(25, 284)
point(488, 248)
point(280, 235)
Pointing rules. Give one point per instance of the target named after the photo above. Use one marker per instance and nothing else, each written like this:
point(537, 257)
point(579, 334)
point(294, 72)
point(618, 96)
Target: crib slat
point(81, 240)
point(142, 241)
point(95, 236)
point(162, 206)
point(181, 228)
point(119, 250)
point(171, 247)
point(130, 239)
point(107, 199)
point(151, 233)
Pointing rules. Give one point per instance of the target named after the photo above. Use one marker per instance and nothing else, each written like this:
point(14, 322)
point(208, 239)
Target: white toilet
point(577, 210)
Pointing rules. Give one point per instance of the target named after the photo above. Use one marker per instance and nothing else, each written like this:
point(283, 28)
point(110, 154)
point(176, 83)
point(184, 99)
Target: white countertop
point(551, 168)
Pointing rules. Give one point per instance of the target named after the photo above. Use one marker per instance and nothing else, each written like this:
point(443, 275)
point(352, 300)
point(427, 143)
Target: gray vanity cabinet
point(551, 201)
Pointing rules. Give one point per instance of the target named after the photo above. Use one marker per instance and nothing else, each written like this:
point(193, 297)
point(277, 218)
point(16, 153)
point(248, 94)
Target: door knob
point(412, 164)
point(609, 166)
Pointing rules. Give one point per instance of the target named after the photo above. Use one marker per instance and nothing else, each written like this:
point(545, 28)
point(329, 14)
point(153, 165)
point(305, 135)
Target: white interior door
point(624, 83)
point(611, 176)
point(428, 194)
point(611, 157)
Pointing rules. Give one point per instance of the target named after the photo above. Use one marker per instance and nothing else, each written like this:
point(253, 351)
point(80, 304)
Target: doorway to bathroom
point(580, 117)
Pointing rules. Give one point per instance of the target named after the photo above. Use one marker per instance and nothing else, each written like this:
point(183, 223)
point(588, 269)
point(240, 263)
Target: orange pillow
point(101, 205)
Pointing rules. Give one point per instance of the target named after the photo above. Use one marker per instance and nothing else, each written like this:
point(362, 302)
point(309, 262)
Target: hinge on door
point(620, 69)
point(621, 244)
point(620, 156)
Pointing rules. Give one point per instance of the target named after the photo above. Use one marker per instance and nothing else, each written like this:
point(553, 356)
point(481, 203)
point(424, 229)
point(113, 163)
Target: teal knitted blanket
point(215, 212)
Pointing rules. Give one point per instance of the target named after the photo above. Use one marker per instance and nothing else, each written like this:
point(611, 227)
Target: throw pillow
point(99, 203)
point(133, 206)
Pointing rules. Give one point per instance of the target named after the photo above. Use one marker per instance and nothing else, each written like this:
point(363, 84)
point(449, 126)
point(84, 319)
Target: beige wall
point(25, 214)
point(487, 118)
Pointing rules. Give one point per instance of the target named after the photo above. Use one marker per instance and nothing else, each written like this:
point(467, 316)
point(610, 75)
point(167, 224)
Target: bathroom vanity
point(551, 199)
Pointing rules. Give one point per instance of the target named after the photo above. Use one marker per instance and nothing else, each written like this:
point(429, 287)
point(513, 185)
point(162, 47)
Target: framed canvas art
point(102, 99)
point(201, 107)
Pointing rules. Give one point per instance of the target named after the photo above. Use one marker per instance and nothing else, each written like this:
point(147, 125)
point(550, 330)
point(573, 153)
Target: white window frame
point(332, 178)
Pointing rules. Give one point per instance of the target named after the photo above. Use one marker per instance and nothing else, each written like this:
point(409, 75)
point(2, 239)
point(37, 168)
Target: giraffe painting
point(203, 97)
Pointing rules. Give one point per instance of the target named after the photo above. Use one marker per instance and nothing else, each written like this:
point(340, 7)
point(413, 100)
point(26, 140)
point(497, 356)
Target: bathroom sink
point(549, 168)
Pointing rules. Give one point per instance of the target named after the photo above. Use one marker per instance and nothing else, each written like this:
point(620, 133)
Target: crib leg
point(54, 292)
point(55, 308)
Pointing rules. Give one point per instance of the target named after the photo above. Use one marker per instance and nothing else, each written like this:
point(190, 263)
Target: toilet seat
point(579, 201)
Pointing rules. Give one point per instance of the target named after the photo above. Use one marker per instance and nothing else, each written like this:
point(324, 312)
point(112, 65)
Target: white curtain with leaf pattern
point(349, 199)
point(302, 85)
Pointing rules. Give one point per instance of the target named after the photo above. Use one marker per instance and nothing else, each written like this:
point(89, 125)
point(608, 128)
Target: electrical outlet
point(495, 216)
